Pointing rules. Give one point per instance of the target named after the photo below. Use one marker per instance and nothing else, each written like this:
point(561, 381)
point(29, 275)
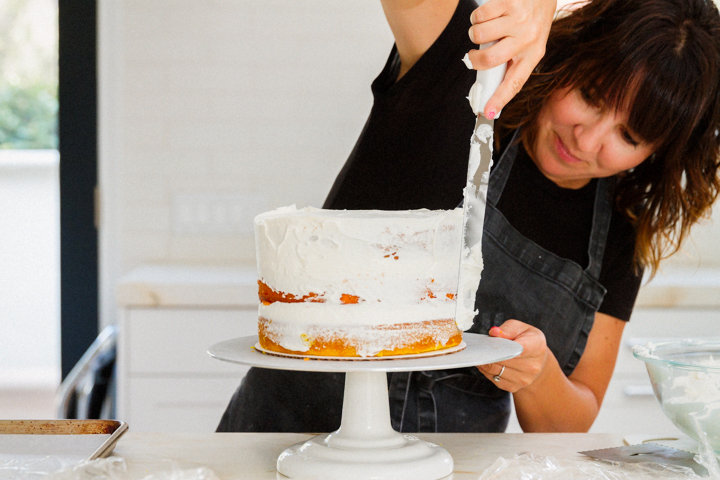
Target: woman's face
point(578, 140)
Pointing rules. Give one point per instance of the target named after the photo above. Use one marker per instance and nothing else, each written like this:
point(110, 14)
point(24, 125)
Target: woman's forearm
point(546, 400)
point(555, 403)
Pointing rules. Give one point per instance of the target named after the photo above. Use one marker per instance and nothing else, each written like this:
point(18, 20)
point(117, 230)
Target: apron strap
point(602, 213)
point(501, 170)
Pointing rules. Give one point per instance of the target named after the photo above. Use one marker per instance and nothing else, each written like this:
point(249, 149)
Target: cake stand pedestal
point(366, 446)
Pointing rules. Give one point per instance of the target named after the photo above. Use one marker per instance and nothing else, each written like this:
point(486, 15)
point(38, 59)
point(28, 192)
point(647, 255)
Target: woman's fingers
point(504, 376)
point(491, 30)
point(524, 369)
point(494, 371)
point(521, 28)
point(497, 332)
point(518, 70)
point(488, 11)
point(528, 21)
point(517, 73)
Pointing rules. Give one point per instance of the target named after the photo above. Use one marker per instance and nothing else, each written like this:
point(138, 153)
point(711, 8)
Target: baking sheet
point(71, 439)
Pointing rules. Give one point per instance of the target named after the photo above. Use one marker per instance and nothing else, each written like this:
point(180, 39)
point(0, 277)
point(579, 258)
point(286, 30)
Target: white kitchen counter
point(245, 456)
point(188, 286)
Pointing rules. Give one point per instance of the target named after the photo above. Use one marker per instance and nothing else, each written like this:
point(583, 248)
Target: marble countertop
point(199, 286)
point(241, 456)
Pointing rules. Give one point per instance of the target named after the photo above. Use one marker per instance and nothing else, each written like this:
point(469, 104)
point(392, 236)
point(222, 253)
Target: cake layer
point(358, 340)
point(388, 257)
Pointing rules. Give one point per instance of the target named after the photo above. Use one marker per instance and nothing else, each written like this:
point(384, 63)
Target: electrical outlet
point(216, 213)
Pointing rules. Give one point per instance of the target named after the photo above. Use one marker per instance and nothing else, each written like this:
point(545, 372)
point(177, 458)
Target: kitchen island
point(245, 456)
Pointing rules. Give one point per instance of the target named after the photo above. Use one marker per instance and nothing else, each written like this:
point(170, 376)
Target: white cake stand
point(366, 446)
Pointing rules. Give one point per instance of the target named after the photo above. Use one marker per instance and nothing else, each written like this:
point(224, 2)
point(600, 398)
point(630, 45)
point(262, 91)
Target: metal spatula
point(475, 193)
point(648, 452)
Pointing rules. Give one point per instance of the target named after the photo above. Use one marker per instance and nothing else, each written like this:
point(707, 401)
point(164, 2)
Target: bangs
point(656, 101)
point(656, 73)
point(655, 111)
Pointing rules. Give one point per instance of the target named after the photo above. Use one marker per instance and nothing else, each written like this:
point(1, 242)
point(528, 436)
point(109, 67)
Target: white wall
point(212, 111)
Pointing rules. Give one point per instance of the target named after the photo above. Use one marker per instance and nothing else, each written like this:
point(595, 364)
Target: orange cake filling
point(420, 337)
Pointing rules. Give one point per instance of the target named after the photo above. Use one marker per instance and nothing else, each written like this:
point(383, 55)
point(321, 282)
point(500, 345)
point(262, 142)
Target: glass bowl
point(685, 376)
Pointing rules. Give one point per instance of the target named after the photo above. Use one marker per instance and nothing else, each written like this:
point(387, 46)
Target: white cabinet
point(167, 382)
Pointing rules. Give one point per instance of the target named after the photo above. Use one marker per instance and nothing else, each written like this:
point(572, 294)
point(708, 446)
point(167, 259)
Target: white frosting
point(369, 314)
point(475, 98)
point(467, 62)
point(391, 257)
point(692, 402)
point(477, 103)
point(696, 392)
point(478, 97)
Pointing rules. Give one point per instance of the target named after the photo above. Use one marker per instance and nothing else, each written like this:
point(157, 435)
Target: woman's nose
point(591, 134)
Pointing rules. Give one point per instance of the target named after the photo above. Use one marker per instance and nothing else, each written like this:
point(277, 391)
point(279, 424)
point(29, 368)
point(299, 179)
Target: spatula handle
point(489, 79)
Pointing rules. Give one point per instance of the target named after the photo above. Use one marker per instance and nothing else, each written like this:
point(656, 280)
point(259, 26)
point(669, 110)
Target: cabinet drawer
point(179, 405)
point(175, 341)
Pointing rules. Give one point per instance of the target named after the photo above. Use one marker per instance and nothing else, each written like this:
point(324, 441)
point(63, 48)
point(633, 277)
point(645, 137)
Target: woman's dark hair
point(661, 58)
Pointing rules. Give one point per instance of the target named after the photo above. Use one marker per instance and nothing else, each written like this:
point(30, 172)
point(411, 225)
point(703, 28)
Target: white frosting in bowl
point(685, 375)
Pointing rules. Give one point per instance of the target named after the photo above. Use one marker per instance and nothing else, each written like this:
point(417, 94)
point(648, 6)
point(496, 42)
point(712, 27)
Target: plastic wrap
point(111, 468)
point(527, 466)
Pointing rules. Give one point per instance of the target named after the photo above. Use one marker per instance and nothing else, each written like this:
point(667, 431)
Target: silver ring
point(497, 377)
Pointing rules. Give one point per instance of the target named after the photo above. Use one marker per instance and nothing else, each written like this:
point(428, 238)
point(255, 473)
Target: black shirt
point(413, 153)
point(413, 150)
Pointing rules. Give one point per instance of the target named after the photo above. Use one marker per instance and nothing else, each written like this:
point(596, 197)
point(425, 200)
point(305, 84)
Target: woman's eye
point(589, 97)
point(628, 137)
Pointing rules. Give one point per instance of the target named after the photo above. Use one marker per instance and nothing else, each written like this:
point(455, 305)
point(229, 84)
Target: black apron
point(520, 280)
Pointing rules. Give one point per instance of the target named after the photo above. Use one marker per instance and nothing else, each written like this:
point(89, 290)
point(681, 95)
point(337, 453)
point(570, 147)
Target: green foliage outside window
point(28, 74)
point(28, 116)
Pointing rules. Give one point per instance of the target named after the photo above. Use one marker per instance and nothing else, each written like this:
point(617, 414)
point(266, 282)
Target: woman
point(628, 93)
point(607, 156)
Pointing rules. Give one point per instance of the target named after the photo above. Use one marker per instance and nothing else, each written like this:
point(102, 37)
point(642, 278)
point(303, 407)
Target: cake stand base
point(365, 446)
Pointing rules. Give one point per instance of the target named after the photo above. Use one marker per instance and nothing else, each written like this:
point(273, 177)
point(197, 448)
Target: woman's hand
point(524, 369)
point(521, 28)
